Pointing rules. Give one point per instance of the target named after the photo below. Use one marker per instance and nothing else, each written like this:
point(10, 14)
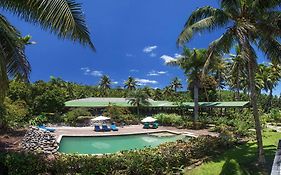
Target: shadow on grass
point(242, 160)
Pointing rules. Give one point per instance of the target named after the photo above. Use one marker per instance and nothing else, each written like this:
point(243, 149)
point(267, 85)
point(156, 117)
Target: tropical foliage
point(62, 17)
point(246, 23)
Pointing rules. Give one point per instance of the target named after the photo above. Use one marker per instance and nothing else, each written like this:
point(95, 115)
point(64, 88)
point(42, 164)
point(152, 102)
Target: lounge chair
point(146, 126)
point(97, 128)
point(155, 125)
point(46, 128)
point(105, 128)
point(113, 127)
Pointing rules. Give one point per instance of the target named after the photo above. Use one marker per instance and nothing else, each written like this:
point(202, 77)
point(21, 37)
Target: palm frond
point(271, 47)
point(232, 7)
point(206, 18)
point(62, 17)
point(13, 60)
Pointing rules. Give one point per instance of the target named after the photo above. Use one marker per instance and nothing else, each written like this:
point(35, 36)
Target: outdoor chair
point(155, 125)
point(46, 128)
point(113, 127)
point(97, 128)
point(146, 126)
point(105, 128)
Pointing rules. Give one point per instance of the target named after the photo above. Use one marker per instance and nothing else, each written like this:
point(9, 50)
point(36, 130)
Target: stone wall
point(39, 140)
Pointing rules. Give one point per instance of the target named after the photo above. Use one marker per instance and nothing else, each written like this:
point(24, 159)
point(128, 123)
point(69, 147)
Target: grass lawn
point(240, 160)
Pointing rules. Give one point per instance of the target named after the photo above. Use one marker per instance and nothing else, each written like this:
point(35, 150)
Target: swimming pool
point(112, 144)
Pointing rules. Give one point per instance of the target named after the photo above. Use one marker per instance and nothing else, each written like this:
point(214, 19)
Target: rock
point(38, 140)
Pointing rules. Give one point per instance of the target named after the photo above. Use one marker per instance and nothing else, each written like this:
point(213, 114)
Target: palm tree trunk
point(196, 103)
point(269, 101)
point(252, 83)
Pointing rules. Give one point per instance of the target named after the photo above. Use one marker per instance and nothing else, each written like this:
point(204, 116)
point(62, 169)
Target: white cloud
point(156, 73)
point(149, 49)
point(88, 71)
point(115, 82)
point(167, 58)
point(177, 55)
point(134, 70)
point(145, 81)
point(96, 73)
point(152, 54)
point(129, 55)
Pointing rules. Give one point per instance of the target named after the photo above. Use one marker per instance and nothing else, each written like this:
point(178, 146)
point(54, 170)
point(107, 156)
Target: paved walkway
point(131, 129)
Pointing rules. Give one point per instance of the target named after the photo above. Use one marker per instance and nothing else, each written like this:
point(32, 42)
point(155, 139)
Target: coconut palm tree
point(246, 23)
point(236, 67)
point(168, 92)
point(148, 91)
point(176, 83)
point(104, 84)
point(131, 84)
point(138, 98)
point(267, 78)
point(62, 17)
point(192, 63)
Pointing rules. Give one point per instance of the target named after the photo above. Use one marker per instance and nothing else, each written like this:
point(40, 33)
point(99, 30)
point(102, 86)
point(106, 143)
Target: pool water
point(111, 144)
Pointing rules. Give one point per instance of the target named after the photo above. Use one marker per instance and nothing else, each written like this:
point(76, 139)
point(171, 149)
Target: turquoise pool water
point(111, 144)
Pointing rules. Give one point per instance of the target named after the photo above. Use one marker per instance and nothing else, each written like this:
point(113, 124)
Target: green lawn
point(240, 160)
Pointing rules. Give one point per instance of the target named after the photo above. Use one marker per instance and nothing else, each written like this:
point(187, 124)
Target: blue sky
point(132, 38)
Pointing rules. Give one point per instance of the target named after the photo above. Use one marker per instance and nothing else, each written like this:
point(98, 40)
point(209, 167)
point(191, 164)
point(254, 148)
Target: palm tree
point(148, 91)
point(130, 84)
point(138, 98)
point(236, 68)
point(246, 23)
point(176, 83)
point(62, 17)
point(104, 84)
point(192, 63)
point(267, 78)
point(168, 92)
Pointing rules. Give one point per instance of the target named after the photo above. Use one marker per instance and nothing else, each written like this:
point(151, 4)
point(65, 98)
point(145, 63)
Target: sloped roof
point(123, 102)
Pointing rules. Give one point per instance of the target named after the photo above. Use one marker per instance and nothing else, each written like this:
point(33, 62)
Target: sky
point(132, 38)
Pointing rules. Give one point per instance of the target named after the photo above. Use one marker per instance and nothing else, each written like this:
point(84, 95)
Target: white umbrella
point(148, 119)
point(100, 118)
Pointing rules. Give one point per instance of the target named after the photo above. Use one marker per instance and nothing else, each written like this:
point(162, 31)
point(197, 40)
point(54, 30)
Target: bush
point(14, 114)
point(164, 159)
point(129, 119)
point(169, 119)
point(72, 117)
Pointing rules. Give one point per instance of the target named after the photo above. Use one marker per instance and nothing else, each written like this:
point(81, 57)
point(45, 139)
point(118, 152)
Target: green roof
point(122, 102)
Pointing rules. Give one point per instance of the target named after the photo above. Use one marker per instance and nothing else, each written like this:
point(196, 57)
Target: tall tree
point(246, 23)
point(104, 84)
point(267, 79)
point(176, 83)
point(131, 84)
point(236, 71)
point(138, 99)
point(62, 17)
point(192, 62)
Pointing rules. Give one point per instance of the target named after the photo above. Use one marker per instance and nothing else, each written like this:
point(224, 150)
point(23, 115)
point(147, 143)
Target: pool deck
point(131, 129)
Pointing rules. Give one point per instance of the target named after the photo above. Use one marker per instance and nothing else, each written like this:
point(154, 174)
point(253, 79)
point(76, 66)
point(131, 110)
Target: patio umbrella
point(100, 118)
point(148, 120)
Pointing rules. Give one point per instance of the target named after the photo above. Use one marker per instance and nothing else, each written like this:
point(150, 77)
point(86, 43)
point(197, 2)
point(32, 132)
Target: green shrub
point(14, 114)
point(129, 119)
point(169, 119)
point(39, 120)
point(71, 117)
